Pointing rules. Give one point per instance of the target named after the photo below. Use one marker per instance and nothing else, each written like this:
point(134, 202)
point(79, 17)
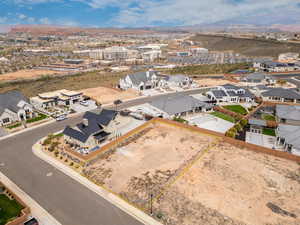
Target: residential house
point(259, 78)
point(92, 131)
point(140, 81)
point(288, 137)
point(177, 80)
point(14, 107)
point(179, 105)
point(230, 93)
point(60, 97)
point(280, 95)
point(288, 114)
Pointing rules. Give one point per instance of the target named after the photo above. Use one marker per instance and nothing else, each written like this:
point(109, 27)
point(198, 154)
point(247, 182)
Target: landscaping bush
point(180, 120)
point(238, 127)
point(230, 134)
point(14, 126)
point(243, 122)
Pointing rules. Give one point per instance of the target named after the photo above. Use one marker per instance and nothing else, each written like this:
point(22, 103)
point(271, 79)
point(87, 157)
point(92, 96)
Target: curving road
point(67, 200)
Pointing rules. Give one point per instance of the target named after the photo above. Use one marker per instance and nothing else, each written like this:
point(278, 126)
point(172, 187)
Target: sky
point(148, 13)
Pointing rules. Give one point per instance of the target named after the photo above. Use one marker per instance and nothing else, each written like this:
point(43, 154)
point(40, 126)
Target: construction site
point(183, 175)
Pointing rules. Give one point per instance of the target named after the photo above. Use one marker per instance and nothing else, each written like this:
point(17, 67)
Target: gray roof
point(177, 104)
point(10, 100)
point(177, 78)
point(140, 77)
point(289, 112)
point(281, 92)
point(290, 133)
point(230, 86)
point(256, 76)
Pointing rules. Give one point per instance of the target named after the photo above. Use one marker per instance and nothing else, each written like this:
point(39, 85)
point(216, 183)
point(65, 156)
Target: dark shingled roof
point(219, 93)
point(95, 124)
point(10, 100)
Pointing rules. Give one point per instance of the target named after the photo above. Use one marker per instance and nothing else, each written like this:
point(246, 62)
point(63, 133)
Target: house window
point(6, 120)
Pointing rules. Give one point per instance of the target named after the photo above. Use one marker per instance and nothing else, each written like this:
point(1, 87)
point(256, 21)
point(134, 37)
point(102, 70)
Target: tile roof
point(177, 104)
point(281, 92)
point(290, 133)
point(289, 112)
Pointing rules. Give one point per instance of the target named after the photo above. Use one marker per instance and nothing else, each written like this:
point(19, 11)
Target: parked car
point(61, 118)
point(32, 221)
point(84, 103)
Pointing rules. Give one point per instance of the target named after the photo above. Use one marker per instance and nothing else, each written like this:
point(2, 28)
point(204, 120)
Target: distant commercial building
point(151, 56)
point(288, 57)
point(113, 53)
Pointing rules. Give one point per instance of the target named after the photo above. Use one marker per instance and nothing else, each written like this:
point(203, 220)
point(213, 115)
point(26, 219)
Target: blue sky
point(139, 13)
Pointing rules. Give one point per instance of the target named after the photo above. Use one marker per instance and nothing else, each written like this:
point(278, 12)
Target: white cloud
point(45, 20)
point(190, 12)
point(21, 16)
point(3, 19)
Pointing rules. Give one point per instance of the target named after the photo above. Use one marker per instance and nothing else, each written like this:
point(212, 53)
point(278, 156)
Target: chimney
point(85, 122)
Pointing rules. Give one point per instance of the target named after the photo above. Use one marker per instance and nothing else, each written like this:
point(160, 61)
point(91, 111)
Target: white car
point(84, 103)
point(61, 118)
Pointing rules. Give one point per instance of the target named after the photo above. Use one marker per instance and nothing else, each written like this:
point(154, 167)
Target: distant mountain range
point(64, 30)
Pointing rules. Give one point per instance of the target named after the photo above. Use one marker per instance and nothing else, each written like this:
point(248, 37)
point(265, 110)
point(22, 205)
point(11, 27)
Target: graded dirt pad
point(26, 74)
point(210, 82)
point(230, 185)
point(149, 162)
point(105, 95)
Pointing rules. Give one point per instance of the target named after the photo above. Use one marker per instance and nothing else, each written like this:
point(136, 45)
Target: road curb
point(104, 193)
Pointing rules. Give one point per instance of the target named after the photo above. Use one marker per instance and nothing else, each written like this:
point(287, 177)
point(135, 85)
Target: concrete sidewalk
point(109, 196)
point(37, 211)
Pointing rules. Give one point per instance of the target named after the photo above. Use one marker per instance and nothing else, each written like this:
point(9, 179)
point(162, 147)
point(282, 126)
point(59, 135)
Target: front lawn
point(37, 118)
point(9, 209)
point(269, 132)
point(223, 116)
point(269, 117)
point(14, 126)
point(237, 109)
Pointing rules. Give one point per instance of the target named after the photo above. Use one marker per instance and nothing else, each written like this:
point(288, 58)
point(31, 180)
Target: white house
point(140, 81)
point(230, 93)
point(259, 78)
point(60, 97)
point(14, 107)
point(280, 95)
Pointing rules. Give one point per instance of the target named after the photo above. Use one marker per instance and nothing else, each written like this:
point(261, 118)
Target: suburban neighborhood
point(149, 112)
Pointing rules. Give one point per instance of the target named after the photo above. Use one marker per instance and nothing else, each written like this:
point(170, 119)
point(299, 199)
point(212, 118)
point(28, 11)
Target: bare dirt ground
point(145, 165)
point(234, 186)
point(210, 82)
point(26, 74)
point(105, 95)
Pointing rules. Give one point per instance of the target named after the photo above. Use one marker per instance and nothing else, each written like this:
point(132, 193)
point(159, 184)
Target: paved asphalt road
point(67, 200)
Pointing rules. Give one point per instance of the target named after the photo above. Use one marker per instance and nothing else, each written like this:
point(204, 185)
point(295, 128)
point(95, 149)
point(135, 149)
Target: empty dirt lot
point(146, 164)
point(234, 186)
point(105, 95)
point(210, 82)
point(26, 74)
